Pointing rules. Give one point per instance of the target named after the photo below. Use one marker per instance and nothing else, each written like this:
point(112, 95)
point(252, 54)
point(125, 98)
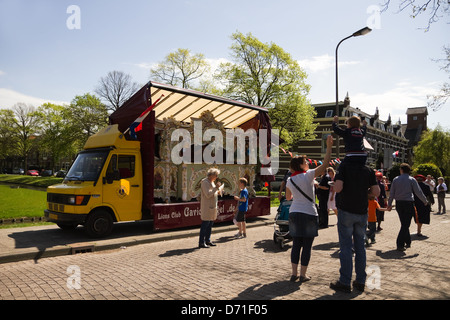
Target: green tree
point(293, 115)
point(7, 135)
point(427, 169)
point(25, 128)
point(265, 75)
point(181, 68)
point(56, 133)
point(434, 147)
point(86, 116)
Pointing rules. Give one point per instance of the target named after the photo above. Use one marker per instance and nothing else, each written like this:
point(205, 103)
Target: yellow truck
point(118, 177)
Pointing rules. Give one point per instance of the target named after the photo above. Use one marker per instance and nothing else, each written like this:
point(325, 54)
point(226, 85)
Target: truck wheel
point(99, 224)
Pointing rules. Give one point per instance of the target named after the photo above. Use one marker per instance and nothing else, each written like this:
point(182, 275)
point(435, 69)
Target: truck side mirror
point(116, 175)
point(111, 177)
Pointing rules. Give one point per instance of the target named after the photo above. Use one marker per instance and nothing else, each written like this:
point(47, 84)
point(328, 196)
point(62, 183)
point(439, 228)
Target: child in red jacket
point(372, 219)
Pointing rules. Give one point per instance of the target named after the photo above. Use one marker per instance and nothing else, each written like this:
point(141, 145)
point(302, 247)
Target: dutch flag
point(136, 126)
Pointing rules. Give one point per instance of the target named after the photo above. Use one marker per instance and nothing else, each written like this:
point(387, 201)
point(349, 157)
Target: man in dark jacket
point(403, 189)
point(353, 184)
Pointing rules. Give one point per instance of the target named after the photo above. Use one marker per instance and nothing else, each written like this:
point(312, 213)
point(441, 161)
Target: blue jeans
point(205, 232)
point(352, 226)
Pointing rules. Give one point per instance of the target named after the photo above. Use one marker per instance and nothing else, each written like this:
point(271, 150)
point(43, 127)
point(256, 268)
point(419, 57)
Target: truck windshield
point(87, 166)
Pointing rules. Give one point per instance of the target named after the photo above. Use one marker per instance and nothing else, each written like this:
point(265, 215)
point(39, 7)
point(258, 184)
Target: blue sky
point(391, 68)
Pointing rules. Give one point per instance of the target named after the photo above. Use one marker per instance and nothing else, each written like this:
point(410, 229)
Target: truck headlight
point(76, 200)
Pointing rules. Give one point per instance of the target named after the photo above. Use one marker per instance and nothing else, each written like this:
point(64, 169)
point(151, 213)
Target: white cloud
point(8, 98)
point(2, 73)
point(323, 62)
point(215, 63)
point(146, 65)
point(395, 101)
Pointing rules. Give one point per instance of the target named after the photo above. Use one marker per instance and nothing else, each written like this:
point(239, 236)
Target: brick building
point(384, 137)
point(415, 126)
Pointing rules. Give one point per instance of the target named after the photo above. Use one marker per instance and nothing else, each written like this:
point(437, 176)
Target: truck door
point(122, 187)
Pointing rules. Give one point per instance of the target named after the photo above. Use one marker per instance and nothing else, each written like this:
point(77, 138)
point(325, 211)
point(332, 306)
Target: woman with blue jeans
point(303, 216)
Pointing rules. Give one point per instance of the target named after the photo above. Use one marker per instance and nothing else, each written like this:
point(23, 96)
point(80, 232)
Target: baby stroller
point(281, 226)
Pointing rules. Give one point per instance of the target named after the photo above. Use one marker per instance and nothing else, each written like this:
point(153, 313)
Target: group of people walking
point(352, 183)
point(355, 188)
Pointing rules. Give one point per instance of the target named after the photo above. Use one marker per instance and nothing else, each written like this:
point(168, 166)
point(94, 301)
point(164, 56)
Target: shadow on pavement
point(178, 252)
point(270, 246)
point(395, 254)
point(46, 238)
point(340, 295)
point(269, 291)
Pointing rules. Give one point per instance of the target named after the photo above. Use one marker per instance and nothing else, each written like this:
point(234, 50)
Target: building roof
point(418, 110)
point(323, 108)
point(327, 110)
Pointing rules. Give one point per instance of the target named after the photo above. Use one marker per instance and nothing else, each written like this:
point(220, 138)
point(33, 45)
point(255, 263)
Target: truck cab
point(103, 185)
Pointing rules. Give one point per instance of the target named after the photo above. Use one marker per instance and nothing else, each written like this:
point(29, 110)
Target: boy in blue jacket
point(353, 135)
point(243, 207)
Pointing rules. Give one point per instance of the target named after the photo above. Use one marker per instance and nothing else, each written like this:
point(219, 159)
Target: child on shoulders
point(353, 135)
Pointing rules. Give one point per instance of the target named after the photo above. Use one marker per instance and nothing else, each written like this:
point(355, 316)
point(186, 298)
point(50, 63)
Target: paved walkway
point(171, 267)
point(17, 244)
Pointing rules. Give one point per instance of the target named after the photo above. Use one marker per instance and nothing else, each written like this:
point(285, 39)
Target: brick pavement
point(243, 269)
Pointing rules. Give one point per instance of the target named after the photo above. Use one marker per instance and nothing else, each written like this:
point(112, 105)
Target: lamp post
point(361, 32)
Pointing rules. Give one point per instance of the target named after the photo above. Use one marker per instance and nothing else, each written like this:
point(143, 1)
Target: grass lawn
point(21, 202)
point(274, 201)
point(29, 180)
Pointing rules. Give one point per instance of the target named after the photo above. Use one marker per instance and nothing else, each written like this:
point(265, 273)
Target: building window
point(415, 118)
point(329, 114)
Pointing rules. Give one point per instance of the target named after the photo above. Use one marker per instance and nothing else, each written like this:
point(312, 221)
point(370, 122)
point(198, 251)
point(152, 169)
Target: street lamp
point(361, 32)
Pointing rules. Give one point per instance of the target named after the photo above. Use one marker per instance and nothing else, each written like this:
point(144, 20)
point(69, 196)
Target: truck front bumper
point(59, 217)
